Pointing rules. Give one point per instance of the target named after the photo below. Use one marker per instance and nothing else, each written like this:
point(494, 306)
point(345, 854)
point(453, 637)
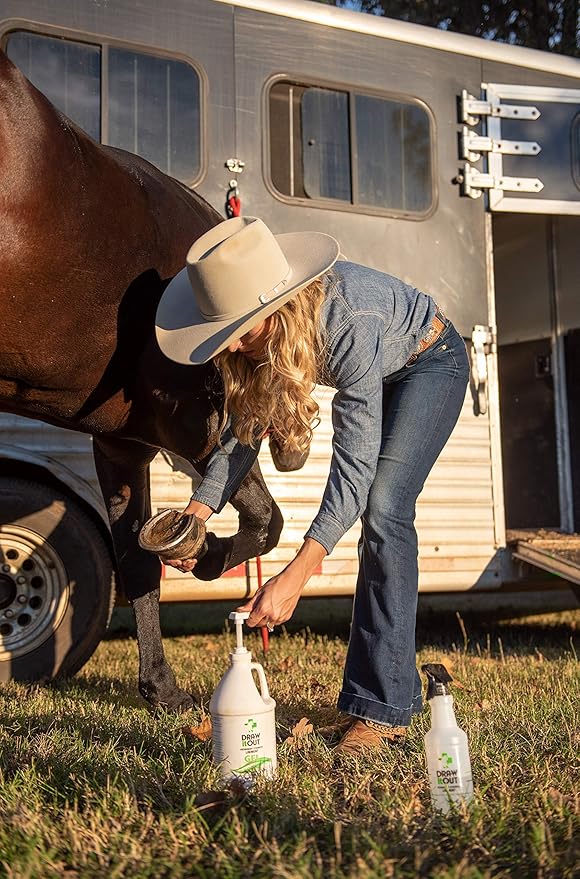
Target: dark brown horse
point(90, 237)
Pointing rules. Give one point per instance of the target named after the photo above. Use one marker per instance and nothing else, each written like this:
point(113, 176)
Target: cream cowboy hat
point(237, 274)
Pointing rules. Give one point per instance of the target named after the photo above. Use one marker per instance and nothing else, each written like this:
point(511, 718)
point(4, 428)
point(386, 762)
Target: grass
point(93, 784)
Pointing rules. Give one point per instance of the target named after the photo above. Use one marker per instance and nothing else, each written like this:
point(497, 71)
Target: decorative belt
point(437, 326)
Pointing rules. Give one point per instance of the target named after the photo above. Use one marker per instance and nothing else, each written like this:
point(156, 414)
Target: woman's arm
point(228, 465)
point(357, 420)
point(275, 603)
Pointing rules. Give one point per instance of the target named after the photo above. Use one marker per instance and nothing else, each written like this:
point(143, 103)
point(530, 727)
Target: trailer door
point(530, 144)
point(527, 141)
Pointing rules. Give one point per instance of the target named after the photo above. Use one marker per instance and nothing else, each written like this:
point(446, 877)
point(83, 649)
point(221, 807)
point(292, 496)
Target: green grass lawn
point(93, 784)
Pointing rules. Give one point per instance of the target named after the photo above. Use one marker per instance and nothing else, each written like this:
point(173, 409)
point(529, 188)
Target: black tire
point(56, 583)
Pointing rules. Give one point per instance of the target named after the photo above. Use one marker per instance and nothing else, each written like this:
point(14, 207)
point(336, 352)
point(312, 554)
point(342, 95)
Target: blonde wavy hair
point(275, 394)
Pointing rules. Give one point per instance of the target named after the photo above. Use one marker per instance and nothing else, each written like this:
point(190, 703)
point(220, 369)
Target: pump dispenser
point(446, 746)
point(243, 721)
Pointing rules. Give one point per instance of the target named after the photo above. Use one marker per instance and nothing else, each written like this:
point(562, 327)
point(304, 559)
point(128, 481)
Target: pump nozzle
point(238, 620)
point(437, 677)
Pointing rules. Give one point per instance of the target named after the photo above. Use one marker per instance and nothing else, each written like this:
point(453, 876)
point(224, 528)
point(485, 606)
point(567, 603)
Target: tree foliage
point(552, 25)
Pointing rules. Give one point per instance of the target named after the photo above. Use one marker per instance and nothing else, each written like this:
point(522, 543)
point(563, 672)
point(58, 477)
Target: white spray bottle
point(243, 722)
point(446, 746)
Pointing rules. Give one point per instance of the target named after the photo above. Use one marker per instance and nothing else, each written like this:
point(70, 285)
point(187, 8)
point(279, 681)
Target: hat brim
point(185, 336)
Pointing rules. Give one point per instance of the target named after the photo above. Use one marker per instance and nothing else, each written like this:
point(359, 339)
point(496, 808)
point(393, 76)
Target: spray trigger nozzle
point(438, 678)
point(238, 620)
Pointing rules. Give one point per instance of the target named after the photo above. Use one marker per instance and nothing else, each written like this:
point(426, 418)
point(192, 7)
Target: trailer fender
point(63, 474)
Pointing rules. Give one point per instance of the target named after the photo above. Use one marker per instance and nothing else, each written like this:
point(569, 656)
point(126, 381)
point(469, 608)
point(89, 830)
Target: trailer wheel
point(56, 583)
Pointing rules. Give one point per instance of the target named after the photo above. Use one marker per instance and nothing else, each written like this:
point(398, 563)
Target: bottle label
point(245, 745)
point(451, 779)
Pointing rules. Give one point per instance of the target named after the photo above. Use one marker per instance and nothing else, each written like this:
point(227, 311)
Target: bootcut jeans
point(421, 404)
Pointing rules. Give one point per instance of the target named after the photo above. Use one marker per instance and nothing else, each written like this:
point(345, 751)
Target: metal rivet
point(8, 613)
point(21, 580)
point(22, 599)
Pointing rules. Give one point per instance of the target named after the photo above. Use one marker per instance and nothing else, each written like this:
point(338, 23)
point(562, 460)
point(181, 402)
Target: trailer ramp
point(549, 550)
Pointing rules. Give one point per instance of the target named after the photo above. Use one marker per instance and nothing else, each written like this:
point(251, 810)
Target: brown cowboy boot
point(366, 735)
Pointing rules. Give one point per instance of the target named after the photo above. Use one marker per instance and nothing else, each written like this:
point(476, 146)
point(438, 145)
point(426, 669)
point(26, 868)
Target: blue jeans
point(421, 404)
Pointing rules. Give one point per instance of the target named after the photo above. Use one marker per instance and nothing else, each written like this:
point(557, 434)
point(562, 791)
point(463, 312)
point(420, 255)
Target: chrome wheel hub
point(34, 590)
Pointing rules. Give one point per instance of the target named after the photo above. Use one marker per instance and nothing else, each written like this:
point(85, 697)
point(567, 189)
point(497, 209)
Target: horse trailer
point(449, 161)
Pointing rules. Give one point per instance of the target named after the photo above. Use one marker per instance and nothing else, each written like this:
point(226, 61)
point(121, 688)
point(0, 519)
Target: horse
point(91, 236)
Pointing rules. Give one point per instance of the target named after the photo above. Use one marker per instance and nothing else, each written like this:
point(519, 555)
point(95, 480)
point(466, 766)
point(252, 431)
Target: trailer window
point(576, 150)
point(361, 150)
point(145, 104)
point(68, 73)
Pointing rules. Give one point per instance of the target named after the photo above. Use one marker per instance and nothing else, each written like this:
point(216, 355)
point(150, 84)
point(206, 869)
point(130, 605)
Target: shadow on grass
point(110, 690)
point(478, 634)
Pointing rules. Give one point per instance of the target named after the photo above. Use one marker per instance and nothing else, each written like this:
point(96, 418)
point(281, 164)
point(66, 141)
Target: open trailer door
point(526, 142)
point(530, 146)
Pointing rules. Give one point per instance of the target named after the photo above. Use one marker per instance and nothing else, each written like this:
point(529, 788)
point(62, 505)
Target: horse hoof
point(214, 562)
point(177, 703)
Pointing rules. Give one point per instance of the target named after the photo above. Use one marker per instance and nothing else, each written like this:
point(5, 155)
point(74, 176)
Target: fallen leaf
point(484, 705)
point(210, 646)
point(201, 732)
point(300, 731)
point(285, 663)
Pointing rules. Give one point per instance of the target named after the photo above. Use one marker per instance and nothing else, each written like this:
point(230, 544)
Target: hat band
point(275, 291)
point(263, 299)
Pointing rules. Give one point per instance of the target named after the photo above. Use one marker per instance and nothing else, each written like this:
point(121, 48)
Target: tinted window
point(154, 110)
point(356, 149)
point(68, 73)
point(576, 150)
point(152, 105)
point(394, 154)
point(325, 144)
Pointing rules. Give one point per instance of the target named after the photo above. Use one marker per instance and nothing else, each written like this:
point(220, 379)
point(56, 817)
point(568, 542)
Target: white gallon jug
point(243, 719)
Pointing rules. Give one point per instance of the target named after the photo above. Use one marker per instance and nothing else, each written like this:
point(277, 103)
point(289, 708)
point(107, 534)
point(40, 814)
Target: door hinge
point(473, 145)
point(473, 109)
point(473, 182)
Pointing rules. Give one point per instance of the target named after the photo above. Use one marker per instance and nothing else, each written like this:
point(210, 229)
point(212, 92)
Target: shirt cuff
point(211, 494)
point(327, 531)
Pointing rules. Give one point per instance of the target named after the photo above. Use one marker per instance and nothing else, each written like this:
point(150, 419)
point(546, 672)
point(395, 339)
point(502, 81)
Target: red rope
point(233, 206)
point(263, 629)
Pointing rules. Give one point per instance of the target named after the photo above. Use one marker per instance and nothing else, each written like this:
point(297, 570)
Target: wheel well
point(28, 470)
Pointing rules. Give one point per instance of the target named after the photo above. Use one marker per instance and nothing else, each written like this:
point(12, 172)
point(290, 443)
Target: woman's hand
point(202, 511)
point(276, 601)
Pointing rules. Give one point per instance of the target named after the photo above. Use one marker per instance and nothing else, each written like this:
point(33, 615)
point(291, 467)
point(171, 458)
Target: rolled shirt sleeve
point(357, 351)
point(228, 464)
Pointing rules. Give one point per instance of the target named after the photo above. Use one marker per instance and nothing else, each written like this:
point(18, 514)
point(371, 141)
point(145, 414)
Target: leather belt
point(437, 326)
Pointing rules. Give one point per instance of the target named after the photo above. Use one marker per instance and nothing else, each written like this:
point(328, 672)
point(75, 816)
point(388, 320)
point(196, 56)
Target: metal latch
point(235, 166)
point(472, 109)
point(473, 182)
point(482, 343)
point(473, 145)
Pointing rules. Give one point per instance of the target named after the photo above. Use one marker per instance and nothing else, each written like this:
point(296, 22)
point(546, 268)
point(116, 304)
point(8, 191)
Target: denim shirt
point(371, 324)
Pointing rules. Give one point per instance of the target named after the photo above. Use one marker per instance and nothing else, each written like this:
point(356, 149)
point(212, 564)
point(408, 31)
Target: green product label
point(252, 764)
point(251, 735)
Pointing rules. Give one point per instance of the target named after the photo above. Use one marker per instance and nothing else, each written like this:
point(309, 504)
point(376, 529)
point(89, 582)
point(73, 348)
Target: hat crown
point(236, 267)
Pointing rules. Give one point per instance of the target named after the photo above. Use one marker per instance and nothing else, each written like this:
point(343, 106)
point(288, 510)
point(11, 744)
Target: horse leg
point(123, 471)
point(260, 526)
